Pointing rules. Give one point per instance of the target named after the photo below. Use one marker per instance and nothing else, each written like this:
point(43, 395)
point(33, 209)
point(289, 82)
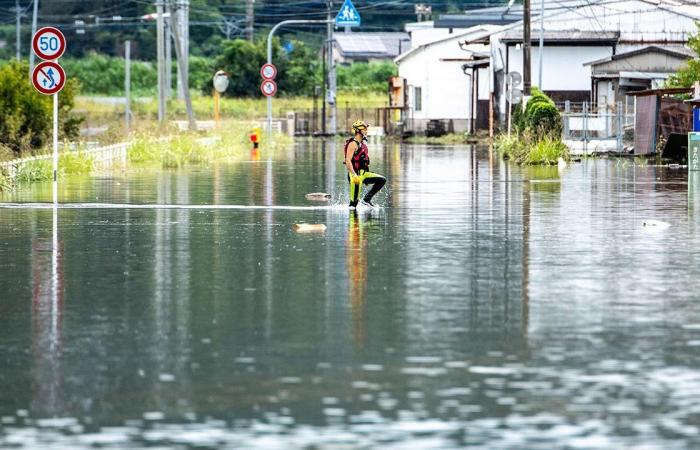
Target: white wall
point(425, 35)
point(446, 89)
point(563, 67)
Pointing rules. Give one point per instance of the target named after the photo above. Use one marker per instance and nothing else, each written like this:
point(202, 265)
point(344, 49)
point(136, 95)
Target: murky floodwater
point(482, 305)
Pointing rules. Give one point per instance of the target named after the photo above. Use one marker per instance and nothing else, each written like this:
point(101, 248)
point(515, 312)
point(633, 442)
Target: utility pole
point(127, 84)
point(160, 50)
point(325, 90)
point(249, 19)
point(31, 51)
point(19, 24)
point(181, 20)
point(331, 72)
point(168, 58)
point(539, 77)
point(526, 48)
point(181, 61)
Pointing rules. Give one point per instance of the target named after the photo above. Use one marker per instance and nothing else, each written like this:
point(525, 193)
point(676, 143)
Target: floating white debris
point(334, 412)
point(423, 359)
point(309, 227)
point(166, 377)
point(57, 422)
point(318, 196)
point(656, 224)
point(153, 415)
point(484, 370)
point(290, 380)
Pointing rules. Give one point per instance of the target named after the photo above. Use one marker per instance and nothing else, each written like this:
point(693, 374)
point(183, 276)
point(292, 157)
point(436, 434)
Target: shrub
point(26, 115)
point(541, 115)
point(537, 135)
point(366, 77)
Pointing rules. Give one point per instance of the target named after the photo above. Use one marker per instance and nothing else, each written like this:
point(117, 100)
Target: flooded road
point(483, 305)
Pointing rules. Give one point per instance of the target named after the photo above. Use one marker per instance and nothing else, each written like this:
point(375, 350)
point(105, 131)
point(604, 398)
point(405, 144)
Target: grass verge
point(529, 150)
point(181, 149)
point(71, 163)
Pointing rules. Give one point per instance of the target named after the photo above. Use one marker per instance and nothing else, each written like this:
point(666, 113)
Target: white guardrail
point(102, 157)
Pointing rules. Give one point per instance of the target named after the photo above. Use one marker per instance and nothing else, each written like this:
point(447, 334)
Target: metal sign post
point(269, 61)
point(49, 78)
point(220, 82)
point(515, 95)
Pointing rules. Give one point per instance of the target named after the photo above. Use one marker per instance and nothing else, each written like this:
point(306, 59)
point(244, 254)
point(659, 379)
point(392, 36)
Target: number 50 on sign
point(49, 43)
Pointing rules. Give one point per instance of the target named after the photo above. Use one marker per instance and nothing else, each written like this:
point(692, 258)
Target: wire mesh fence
point(588, 122)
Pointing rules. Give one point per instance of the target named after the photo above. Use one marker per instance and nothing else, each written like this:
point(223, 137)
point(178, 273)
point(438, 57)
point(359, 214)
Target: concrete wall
point(563, 67)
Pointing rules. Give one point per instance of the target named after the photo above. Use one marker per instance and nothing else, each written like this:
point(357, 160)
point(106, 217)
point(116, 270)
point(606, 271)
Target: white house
point(439, 88)
point(579, 35)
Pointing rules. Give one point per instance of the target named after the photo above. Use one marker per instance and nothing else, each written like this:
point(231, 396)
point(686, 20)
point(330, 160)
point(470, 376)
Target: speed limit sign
point(49, 43)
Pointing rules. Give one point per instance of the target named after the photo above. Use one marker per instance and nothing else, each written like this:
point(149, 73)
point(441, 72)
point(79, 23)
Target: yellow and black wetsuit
point(360, 164)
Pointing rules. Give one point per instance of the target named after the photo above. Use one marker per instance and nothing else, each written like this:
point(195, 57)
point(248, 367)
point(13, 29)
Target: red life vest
point(360, 158)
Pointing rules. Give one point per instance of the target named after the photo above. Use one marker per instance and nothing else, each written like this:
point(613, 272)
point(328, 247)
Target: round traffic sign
point(268, 88)
point(48, 77)
point(49, 43)
point(268, 71)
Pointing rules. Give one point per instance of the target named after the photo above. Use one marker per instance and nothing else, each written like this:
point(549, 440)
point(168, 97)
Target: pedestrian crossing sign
point(347, 16)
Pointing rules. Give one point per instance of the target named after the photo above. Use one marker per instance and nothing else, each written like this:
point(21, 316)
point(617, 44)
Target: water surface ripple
point(483, 305)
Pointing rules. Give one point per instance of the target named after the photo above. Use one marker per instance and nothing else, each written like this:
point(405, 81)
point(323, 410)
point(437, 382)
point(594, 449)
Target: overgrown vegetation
point(180, 149)
point(69, 163)
point(26, 115)
point(5, 181)
point(536, 137)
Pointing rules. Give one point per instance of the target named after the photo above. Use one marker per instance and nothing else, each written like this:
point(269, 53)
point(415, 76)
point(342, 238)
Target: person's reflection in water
point(356, 258)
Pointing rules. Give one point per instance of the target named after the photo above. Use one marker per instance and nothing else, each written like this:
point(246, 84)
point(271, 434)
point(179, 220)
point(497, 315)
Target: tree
point(297, 69)
point(26, 115)
point(689, 74)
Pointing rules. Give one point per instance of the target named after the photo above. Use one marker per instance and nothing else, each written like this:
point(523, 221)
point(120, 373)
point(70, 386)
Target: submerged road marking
point(163, 206)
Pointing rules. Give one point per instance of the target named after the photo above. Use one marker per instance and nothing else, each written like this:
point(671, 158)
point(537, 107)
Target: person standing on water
point(357, 163)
